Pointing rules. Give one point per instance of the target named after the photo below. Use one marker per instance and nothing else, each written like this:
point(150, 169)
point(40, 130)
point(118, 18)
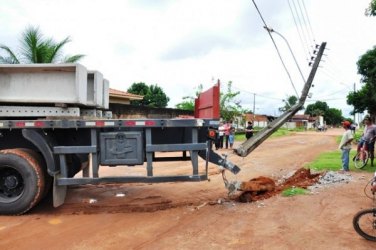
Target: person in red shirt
point(227, 128)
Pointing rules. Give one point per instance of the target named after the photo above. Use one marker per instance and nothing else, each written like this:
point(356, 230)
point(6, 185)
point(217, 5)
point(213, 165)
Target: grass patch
point(240, 136)
point(292, 191)
point(332, 161)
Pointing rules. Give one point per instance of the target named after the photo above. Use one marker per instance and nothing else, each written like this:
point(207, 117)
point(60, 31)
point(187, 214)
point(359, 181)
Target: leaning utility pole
point(249, 145)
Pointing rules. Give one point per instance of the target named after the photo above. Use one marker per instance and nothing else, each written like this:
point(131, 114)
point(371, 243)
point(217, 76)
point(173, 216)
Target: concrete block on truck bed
point(106, 94)
point(43, 83)
point(95, 89)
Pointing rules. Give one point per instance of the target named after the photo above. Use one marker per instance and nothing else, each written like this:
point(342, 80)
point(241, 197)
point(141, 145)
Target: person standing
point(367, 141)
point(345, 145)
point(221, 132)
point(249, 130)
point(227, 128)
point(231, 137)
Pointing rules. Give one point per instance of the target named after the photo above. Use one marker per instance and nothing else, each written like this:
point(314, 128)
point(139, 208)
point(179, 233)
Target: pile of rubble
point(302, 178)
point(330, 178)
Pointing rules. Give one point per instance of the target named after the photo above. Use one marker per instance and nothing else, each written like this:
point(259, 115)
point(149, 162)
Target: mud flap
point(218, 160)
point(59, 192)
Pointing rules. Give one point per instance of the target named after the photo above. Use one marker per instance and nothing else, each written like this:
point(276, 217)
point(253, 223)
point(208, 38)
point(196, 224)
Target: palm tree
point(37, 49)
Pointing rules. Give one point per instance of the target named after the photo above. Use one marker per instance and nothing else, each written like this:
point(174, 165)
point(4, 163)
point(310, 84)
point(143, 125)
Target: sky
point(179, 44)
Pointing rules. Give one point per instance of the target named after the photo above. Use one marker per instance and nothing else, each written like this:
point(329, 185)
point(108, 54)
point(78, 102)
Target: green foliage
point(332, 161)
point(139, 88)
point(292, 191)
point(153, 95)
point(332, 116)
point(291, 101)
point(371, 10)
point(229, 106)
point(37, 49)
point(365, 98)
point(188, 102)
point(316, 109)
point(157, 98)
point(327, 161)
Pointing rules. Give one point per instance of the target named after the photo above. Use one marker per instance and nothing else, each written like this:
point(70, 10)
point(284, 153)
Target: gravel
point(330, 178)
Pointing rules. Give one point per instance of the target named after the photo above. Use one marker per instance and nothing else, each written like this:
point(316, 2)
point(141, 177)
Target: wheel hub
point(11, 182)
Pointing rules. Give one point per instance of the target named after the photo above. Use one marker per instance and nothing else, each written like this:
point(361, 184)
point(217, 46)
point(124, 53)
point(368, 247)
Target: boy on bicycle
point(367, 140)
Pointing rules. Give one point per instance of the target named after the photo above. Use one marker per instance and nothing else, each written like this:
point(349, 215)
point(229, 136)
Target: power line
point(292, 53)
point(253, 93)
point(309, 22)
point(304, 21)
point(301, 27)
point(297, 29)
point(275, 45)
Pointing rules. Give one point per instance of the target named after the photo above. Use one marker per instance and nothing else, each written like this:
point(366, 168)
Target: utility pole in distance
point(354, 105)
point(254, 105)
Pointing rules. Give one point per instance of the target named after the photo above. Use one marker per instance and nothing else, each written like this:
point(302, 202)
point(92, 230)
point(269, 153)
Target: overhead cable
point(309, 22)
point(275, 45)
point(301, 27)
point(297, 29)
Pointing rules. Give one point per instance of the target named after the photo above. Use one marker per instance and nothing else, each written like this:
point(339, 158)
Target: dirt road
point(199, 215)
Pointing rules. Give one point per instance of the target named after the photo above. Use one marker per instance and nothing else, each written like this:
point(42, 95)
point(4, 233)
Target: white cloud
point(181, 44)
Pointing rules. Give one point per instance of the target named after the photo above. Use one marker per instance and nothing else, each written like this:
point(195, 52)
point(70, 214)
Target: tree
point(316, 109)
point(154, 95)
point(365, 98)
point(333, 116)
point(291, 101)
point(139, 88)
point(188, 102)
point(229, 106)
point(371, 10)
point(37, 49)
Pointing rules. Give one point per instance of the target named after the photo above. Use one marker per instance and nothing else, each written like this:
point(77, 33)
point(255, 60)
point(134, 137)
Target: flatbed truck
point(54, 123)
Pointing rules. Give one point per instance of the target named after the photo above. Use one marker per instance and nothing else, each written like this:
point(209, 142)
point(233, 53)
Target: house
point(260, 121)
point(303, 121)
point(122, 109)
point(122, 97)
point(298, 120)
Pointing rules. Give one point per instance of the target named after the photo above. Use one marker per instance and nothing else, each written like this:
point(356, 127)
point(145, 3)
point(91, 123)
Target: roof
point(125, 95)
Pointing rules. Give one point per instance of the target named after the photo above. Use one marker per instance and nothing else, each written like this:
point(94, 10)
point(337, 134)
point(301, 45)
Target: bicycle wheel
point(364, 223)
point(361, 160)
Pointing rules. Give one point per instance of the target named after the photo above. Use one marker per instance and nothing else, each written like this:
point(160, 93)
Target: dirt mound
point(264, 187)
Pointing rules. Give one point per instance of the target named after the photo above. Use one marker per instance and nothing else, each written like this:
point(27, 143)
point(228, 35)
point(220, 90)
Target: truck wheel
point(47, 178)
point(22, 181)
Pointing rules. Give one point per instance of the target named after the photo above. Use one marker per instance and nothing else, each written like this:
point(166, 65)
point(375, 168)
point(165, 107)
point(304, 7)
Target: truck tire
point(47, 178)
point(22, 181)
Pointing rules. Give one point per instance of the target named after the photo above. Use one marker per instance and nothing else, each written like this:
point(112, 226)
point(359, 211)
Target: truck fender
point(44, 143)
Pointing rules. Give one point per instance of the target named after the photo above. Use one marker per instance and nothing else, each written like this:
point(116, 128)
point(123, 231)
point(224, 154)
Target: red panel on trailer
point(207, 103)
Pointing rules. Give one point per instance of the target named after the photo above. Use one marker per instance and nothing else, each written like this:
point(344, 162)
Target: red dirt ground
point(200, 215)
point(265, 187)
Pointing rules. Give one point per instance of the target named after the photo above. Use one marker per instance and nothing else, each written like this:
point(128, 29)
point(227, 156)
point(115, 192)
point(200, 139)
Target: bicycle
point(364, 222)
point(363, 155)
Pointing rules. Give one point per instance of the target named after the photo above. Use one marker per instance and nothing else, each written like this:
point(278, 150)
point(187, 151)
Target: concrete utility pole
point(254, 106)
point(249, 145)
point(354, 105)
